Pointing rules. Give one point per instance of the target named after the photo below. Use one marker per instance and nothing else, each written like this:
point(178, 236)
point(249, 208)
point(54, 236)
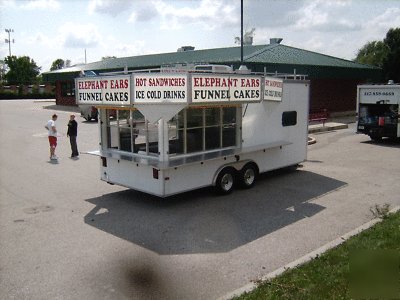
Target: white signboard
point(208, 88)
point(160, 88)
point(273, 89)
point(164, 88)
point(103, 90)
point(389, 95)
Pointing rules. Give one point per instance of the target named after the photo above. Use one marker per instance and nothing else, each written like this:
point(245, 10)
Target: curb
point(306, 258)
point(327, 127)
point(44, 100)
point(311, 140)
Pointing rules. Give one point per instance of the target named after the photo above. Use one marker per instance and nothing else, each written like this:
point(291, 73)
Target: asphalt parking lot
point(64, 234)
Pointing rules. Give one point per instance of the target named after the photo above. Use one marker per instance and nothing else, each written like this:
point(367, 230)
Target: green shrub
point(10, 95)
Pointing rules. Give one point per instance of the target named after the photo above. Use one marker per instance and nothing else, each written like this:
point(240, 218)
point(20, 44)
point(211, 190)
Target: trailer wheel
point(225, 181)
point(248, 176)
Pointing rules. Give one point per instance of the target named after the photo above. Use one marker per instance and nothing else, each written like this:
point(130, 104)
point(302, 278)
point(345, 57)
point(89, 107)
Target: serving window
point(192, 130)
point(204, 128)
point(127, 130)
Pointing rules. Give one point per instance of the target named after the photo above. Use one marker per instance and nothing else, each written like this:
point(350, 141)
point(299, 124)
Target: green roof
point(272, 54)
point(281, 54)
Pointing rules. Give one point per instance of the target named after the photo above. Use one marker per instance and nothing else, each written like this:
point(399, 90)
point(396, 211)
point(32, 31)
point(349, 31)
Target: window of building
point(67, 88)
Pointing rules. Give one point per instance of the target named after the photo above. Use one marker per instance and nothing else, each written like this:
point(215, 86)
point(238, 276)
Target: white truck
point(378, 110)
point(175, 132)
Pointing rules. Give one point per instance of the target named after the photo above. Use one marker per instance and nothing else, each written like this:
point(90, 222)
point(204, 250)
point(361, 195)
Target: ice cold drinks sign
point(160, 88)
point(273, 89)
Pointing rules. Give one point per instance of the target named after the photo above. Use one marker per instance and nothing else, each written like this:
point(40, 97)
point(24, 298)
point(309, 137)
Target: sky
point(46, 30)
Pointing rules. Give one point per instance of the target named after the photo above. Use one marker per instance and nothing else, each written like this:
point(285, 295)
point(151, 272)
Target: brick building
point(333, 80)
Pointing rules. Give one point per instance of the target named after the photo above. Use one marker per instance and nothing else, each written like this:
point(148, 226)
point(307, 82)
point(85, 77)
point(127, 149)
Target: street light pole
point(9, 41)
point(241, 32)
point(243, 68)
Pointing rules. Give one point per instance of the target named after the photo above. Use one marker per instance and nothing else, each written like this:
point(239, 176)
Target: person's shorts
point(53, 141)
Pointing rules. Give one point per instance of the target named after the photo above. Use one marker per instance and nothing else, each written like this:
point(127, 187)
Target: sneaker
point(54, 157)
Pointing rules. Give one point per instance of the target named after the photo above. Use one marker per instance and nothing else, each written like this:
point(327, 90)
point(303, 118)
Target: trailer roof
point(271, 54)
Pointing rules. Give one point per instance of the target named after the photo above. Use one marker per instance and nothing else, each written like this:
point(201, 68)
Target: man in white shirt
point(51, 127)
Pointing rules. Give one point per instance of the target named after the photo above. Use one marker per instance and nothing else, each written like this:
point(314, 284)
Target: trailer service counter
point(166, 133)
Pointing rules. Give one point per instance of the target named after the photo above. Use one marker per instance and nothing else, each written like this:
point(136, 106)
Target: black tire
point(248, 176)
point(375, 137)
point(95, 116)
point(292, 168)
point(225, 181)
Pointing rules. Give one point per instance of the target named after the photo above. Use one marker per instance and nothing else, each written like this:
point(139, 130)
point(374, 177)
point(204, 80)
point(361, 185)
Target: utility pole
point(9, 41)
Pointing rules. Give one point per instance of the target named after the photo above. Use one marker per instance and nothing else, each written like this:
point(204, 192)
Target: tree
point(391, 64)
point(2, 71)
point(384, 54)
point(373, 53)
point(22, 70)
point(57, 64)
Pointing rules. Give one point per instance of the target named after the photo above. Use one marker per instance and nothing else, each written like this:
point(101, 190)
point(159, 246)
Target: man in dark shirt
point(72, 133)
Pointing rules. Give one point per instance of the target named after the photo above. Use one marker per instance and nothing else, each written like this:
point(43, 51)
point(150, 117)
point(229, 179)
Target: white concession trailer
point(165, 133)
point(378, 110)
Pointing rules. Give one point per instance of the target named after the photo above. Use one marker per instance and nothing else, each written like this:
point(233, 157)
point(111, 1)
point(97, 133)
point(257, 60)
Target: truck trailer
point(165, 133)
point(378, 110)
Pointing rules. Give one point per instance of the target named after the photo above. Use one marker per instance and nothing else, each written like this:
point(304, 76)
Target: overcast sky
point(46, 30)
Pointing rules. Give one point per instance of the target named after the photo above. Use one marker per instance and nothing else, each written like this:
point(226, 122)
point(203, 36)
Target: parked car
point(89, 112)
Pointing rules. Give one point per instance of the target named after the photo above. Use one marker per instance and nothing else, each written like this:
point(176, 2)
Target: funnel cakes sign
point(225, 88)
point(113, 90)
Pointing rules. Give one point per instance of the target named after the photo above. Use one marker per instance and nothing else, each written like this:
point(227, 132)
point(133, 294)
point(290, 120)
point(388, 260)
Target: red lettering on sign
point(119, 84)
point(250, 82)
point(273, 83)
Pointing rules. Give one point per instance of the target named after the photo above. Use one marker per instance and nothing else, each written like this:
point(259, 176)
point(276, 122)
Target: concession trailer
point(169, 131)
point(378, 110)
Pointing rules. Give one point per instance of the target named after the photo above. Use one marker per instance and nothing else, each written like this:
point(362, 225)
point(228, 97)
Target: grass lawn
point(365, 266)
